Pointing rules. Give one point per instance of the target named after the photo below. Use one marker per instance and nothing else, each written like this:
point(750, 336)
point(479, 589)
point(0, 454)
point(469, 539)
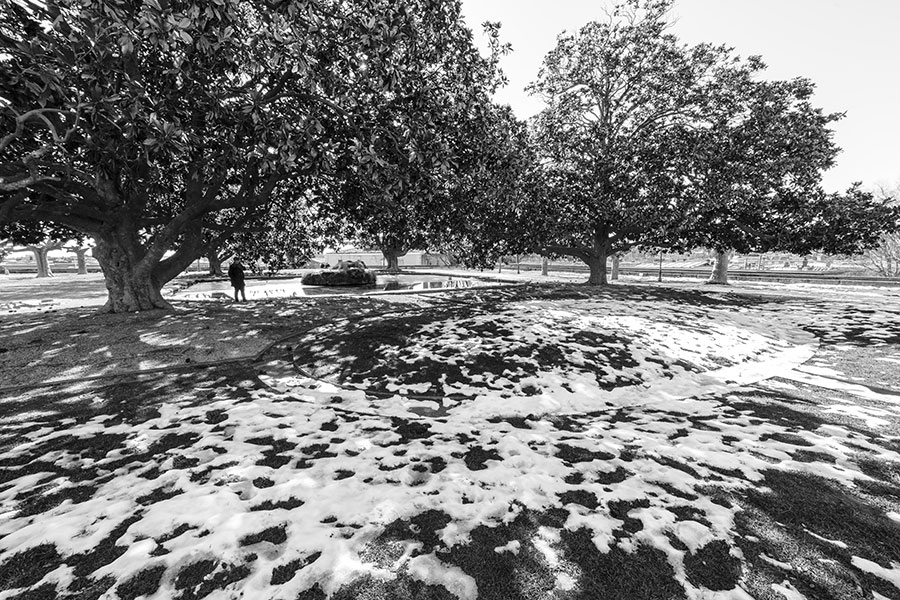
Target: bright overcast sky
point(849, 48)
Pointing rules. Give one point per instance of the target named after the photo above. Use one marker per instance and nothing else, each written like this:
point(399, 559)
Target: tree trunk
point(596, 262)
point(131, 287)
point(544, 266)
point(80, 261)
point(215, 263)
point(615, 267)
point(42, 261)
point(720, 268)
point(392, 259)
point(596, 256)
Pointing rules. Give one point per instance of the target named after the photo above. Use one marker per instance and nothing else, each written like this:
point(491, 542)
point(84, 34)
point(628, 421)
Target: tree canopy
point(649, 142)
point(136, 123)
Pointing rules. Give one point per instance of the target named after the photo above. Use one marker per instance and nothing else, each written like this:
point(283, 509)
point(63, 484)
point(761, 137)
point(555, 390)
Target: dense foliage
point(162, 128)
point(647, 142)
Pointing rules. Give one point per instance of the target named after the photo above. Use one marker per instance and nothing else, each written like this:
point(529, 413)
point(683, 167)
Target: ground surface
point(537, 442)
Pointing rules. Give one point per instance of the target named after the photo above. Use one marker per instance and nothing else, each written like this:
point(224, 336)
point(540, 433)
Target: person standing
point(236, 276)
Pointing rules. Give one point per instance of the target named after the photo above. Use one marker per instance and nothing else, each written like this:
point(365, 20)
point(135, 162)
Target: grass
point(764, 487)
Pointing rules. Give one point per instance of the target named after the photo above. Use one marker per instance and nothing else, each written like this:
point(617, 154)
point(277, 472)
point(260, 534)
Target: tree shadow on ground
point(76, 343)
point(811, 531)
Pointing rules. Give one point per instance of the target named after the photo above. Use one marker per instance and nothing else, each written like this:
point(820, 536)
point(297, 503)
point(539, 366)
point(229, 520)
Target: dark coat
point(236, 274)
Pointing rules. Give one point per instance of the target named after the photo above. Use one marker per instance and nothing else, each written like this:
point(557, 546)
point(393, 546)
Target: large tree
point(432, 121)
point(615, 92)
point(156, 126)
point(752, 173)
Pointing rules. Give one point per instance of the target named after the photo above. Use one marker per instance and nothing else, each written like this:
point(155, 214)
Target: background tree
point(486, 213)
point(430, 122)
point(40, 239)
point(753, 173)
point(615, 91)
point(80, 249)
point(134, 123)
point(884, 258)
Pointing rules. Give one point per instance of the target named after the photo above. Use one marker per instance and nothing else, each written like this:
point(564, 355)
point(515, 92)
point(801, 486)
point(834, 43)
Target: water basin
point(292, 287)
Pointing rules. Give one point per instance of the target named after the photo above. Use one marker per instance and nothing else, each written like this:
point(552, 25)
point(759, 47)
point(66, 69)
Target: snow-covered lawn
point(521, 443)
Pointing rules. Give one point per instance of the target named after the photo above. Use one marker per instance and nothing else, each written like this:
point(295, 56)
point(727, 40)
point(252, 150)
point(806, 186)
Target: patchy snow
point(431, 570)
point(891, 575)
point(837, 543)
point(512, 547)
point(776, 563)
point(829, 383)
point(788, 591)
point(633, 446)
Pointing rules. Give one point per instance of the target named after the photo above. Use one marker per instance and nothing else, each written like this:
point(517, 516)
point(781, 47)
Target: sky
point(850, 49)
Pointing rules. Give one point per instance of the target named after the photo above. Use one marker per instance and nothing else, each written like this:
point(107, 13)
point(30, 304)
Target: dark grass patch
point(504, 575)
point(575, 454)
point(801, 500)
point(582, 497)
point(289, 504)
point(676, 464)
point(619, 509)
point(90, 588)
point(410, 430)
point(611, 477)
point(313, 593)
point(193, 574)
point(194, 580)
point(476, 457)
point(517, 422)
point(317, 451)
point(688, 513)
point(263, 483)
point(713, 567)
point(574, 478)
point(810, 456)
point(184, 527)
point(423, 528)
point(273, 460)
point(879, 489)
point(158, 495)
point(214, 417)
point(781, 407)
point(786, 438)
point(105, 552)
point(816, 570)
point(143, 583)
point(35, 502)
point(284, 573)
point(371, 588)
point(567, 423)
point(644, 574)
point(671, 489)
point(885, 470)
point(277, 445)
point(274, 535)
point(437, 463)
point(27, 567)
point(181, 462)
